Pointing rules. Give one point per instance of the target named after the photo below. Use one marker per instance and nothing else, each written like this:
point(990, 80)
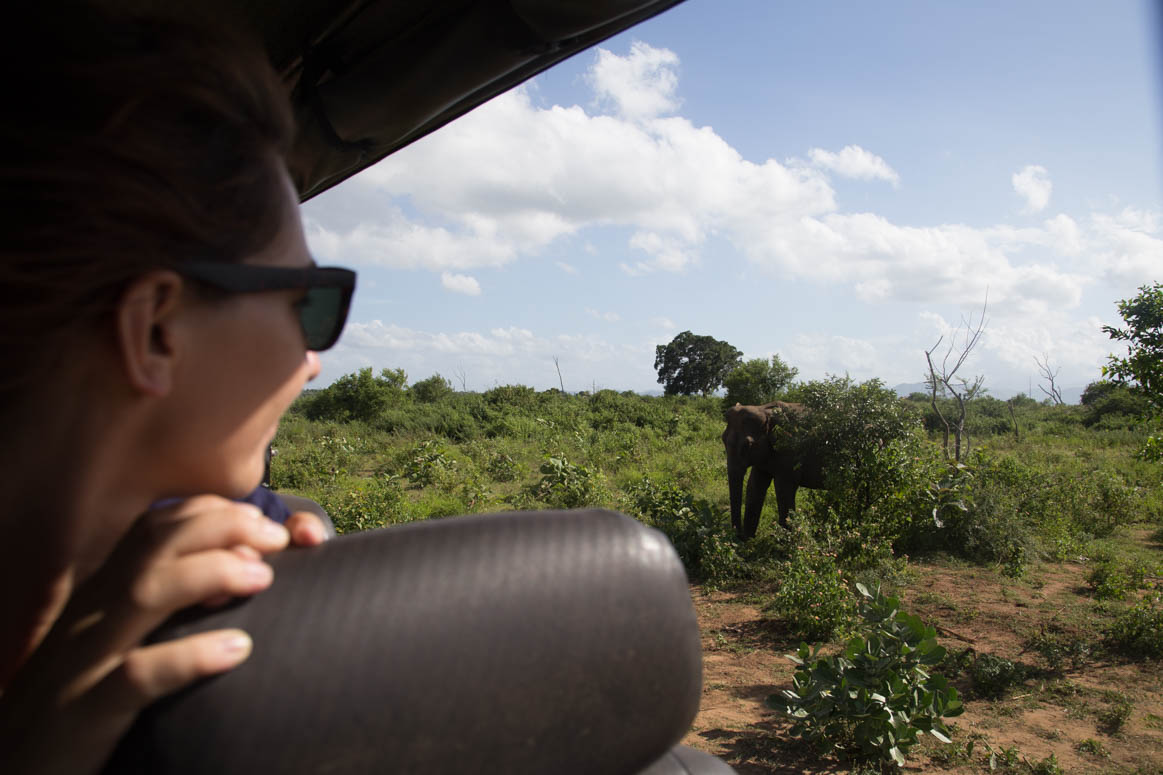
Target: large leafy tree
point(758, 381)
point(1142, 366)
point(694, 364)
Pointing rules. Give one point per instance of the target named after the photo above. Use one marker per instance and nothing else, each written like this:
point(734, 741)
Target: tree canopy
point(1142, 366)
point(758, 381)
point(694, 364)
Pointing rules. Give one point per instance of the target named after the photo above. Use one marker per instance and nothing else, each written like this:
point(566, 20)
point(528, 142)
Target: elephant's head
point(745, 437)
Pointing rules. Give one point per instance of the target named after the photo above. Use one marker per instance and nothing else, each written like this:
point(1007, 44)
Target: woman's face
point(246, 361)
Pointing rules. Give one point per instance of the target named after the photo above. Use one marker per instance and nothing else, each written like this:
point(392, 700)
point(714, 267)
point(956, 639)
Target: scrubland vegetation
point(1041, 485)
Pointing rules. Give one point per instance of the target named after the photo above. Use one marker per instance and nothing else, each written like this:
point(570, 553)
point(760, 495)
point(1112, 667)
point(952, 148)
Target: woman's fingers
point(151, 672)
point(193, 578)
point(210, 522)
point(306, 529)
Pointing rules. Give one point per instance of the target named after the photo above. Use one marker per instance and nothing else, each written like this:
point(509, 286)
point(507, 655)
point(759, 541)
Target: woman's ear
point(147, 331)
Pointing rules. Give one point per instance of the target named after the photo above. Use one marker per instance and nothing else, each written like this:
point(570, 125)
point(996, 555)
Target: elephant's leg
point(757, 485)
point(785, 498)
point(736, 469)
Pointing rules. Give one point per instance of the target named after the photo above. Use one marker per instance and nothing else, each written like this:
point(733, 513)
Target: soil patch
point(1061, 708)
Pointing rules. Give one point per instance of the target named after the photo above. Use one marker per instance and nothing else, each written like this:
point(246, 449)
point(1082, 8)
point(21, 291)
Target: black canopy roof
point(367, 77)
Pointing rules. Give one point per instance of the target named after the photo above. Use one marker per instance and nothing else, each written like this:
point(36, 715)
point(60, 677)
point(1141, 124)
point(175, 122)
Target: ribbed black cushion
point(527, 642)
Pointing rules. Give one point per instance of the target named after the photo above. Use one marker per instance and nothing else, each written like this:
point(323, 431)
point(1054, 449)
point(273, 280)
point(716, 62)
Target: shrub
point(1116, 714)
point(876, 697)
point(429, 391)
point(428, 464)
point(757, 381)
point(812, 597)
point(564, 485)
point(358, 396)
point(502, 467)
point(865, 436)
point(1114, 580)
point(1139, 629)
point(701, 539)
point(376, 502)
point(994, 676)
point(1061, 650)
point(312, 464)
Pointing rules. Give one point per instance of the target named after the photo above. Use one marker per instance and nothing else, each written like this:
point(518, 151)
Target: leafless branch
point(1049, 374)
point(560, 381)
point(946, 379)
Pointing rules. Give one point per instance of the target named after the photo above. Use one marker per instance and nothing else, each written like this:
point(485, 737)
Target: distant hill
point(1071, 395)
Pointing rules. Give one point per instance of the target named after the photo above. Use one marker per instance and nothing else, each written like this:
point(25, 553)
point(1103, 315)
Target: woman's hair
point(127, 145)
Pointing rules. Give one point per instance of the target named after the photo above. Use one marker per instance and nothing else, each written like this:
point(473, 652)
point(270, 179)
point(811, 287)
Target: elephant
point(770, 440)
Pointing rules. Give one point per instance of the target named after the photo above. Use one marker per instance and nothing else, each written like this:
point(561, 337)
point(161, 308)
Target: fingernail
point(273, 529)
point(236, 643)
point(259, 572)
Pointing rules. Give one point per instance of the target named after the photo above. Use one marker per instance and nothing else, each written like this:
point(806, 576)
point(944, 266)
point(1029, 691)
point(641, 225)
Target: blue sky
point(836, 183)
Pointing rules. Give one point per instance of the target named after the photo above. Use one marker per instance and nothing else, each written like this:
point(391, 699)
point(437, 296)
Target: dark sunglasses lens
point(322, 316)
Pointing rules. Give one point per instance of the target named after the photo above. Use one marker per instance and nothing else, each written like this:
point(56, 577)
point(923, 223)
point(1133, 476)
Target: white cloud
point(460, 283)
point(502, 355)
point(1033, 184)
point(855, 162)
point(609, 317)
point(1128, 252)
point(667, 253)
point(505, 181)
point(567, 268)
point(819, 354)
point(639, 86)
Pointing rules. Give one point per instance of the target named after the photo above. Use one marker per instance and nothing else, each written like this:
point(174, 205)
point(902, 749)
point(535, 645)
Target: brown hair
point(128, 145)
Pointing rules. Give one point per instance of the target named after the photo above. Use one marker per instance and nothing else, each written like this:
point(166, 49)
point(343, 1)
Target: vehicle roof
point(368, 77)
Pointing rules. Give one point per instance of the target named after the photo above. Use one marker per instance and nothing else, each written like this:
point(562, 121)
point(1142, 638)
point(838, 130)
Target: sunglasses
point(322, 312)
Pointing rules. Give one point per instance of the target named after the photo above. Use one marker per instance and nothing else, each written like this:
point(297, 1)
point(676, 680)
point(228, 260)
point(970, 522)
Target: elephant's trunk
point(736, 469)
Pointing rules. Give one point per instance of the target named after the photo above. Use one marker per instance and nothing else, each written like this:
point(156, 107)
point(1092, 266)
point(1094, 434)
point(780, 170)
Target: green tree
point(358, 396)
point(1142, 366)
point(1113, 400)
point(866, 437)
point(431, 390)
point(758, 381)
point(694, 364)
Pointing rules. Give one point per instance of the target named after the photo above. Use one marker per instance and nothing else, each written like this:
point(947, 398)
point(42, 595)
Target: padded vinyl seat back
point(526, 642)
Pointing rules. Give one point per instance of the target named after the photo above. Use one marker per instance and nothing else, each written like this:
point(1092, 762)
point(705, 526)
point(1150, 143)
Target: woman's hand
point(306, 529)
point(83, 686)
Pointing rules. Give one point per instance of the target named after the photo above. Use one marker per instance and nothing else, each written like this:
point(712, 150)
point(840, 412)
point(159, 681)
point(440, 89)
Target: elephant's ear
point(769, 420)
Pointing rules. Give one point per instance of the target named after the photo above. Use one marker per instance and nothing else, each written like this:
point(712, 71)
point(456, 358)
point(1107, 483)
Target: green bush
point(358, 396)
point(757, 381)
point(865, 436)
point(564, 485)
point(994, 676)
point(376, 502)
point(875, 698)
point(313, 463)
point(1116, 714)
point(1114, 580)
point(812, 597)
point(428, 463)
point(702, 540)
point(1139, 630)
point(429, 391)
point(502, 467)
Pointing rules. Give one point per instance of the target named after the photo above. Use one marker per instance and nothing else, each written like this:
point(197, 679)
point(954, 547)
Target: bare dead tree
point(560, 381)
point(944, 379)
point(1014, 420)
point(1049, 374)
point(461, 377)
